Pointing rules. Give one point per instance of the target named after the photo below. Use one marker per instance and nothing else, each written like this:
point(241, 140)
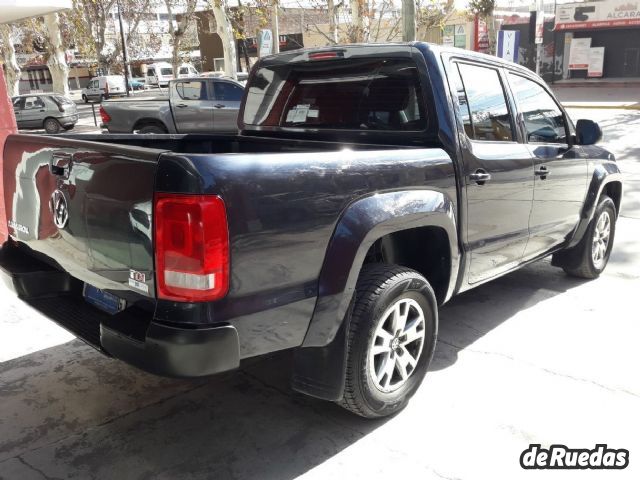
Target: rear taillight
point(106, 118)
point(192, 247)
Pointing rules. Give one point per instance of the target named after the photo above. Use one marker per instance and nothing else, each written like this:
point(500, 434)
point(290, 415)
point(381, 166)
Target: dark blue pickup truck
point(369, 184)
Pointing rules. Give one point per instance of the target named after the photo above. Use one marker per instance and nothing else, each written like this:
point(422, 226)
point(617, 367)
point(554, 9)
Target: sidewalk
point(599, 95)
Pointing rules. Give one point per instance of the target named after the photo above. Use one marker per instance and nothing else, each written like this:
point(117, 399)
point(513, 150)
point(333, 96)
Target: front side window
point(192, 90)
point(228, 92)
point(543, 119)
point(354, 94)
point(490, 119)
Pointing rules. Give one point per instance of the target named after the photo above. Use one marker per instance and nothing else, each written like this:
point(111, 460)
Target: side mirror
point(588, 132)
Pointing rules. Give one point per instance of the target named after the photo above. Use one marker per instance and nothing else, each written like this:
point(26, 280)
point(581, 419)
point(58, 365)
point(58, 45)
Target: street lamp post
point(124, 51)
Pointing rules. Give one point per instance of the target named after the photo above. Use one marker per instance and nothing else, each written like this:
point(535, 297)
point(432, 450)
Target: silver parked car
point(50, 111)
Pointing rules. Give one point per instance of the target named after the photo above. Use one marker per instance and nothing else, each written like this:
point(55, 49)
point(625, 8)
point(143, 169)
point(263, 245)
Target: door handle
point(542, 172)
point(182, 105)
point(480, 176)
point(219, 105)
point(60, 164)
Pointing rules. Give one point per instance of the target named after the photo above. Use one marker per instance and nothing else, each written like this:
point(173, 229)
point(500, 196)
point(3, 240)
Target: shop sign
point(579, 53)
point(596, 62)
point(460, 38)
point(508, 43)
point(448, 36)
point(605, 14)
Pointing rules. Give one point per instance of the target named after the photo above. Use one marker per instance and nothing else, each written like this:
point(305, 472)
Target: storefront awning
point(15, 10)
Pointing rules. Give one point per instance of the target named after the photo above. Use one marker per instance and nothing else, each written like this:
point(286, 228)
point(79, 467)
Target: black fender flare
point(603, 174)
point(319, 364)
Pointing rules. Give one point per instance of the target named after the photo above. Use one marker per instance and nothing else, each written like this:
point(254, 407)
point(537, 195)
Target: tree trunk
point(12, 69)
point(225, 30)
point(333, 25)
point(56, 62)
point(360, 19)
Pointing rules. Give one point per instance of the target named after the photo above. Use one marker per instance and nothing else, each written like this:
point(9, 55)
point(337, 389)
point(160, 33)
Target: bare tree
point(178, 28)
point(93, 20)
point(12, 69)
point(433, 13)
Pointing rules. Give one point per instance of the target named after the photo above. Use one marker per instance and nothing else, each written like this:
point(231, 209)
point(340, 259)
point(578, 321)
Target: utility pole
point(408, 20)
point(274, 27)
point(124, 52)
point(539, 34)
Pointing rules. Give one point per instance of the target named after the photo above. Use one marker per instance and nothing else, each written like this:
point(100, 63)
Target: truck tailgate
point(85, 208)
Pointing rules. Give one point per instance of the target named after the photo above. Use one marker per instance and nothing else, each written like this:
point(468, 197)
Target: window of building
point(490, 119)
point(543, 119)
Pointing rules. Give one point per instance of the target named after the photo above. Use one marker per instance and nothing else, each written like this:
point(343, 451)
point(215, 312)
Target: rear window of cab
point(367, 94)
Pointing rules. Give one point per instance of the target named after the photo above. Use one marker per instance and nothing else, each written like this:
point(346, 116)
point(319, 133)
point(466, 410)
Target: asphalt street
point(533, 357)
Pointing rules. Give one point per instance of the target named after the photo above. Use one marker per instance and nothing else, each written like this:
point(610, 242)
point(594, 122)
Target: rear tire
point(51, 125)
point(392, 337)
point(589, 258)
point(152, 129)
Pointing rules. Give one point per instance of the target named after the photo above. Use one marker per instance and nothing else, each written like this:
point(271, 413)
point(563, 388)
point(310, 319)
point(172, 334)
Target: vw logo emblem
point(60, 209)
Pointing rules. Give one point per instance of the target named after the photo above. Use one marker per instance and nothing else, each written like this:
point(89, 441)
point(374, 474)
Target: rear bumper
point(68, 120)
point(132, 335)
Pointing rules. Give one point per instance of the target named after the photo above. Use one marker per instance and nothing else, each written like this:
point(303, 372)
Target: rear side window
point(32, 103)
point(60, 100)
point(183, 71)
point(543, 119)
point(228, 92)
point(367, 94)
point(489, 118)
point(192, 90)
point(166, 71)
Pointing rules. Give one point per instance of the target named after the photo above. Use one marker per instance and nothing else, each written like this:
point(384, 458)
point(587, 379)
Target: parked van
point(187, 71)
point(158, 74)
point(101, 88)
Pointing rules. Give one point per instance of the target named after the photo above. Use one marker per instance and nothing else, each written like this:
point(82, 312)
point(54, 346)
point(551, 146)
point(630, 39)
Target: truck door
point(497, 171)
point(227, 105)
point(192, 106)
point(560, 171)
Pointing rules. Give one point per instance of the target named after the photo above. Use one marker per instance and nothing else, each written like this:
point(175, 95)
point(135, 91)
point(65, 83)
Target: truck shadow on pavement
point(473, 314)
point(68, 412)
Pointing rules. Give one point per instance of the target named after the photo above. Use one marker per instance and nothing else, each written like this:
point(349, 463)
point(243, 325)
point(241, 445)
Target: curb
point(603, 107)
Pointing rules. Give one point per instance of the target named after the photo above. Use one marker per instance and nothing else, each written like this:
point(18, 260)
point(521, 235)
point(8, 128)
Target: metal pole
point(408, 20)
point(124, 52)
point(275, 28)
point(93, 109)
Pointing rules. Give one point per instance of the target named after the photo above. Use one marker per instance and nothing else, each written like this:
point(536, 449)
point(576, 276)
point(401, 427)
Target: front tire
point(591, 255)
point(85, 99)
point(392, 337)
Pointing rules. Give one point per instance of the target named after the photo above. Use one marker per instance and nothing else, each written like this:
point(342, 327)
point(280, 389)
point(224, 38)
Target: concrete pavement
point(533, 357)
